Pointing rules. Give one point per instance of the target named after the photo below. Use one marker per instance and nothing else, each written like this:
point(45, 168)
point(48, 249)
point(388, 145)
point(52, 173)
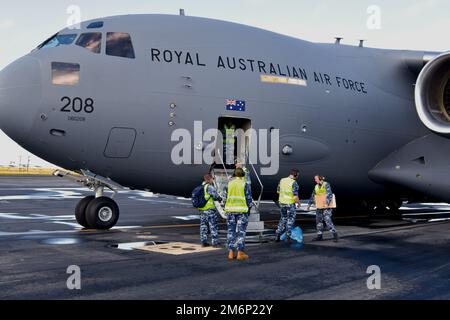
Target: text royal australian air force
point(270, 71)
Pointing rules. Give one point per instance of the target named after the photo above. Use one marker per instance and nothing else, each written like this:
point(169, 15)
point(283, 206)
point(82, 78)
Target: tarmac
point(153, 252)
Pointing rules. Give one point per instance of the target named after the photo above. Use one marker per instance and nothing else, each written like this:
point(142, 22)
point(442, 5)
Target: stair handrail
point(223, 164)
point(259, 180)
point(222, 213)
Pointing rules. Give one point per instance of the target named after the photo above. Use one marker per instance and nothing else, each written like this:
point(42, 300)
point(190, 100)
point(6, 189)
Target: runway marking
point(131, 245)
point(187, 218)
point(427, 213)
point(78, 231)
point(174, 226)
point(70, 224)
point(439, 220)
point(62, 219)
point(224, 223)
point(67, 193)
point(46, 194)
point(36, 232)
point(393, 229)
point(67, 220)
point(161, 201)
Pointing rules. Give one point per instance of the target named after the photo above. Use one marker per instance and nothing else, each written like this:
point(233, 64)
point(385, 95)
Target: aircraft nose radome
point(20, 94)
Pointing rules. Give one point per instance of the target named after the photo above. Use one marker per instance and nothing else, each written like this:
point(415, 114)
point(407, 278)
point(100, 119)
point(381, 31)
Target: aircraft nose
point(20, 94)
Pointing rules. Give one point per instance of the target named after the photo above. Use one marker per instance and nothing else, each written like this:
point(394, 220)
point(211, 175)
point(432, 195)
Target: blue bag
point(296, 234)
point(198, 197)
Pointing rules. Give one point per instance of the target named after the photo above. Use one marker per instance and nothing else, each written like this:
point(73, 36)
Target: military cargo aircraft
point(104, 100)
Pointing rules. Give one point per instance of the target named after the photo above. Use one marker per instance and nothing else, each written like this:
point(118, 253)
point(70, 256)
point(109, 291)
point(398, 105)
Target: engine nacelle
point(433, 94)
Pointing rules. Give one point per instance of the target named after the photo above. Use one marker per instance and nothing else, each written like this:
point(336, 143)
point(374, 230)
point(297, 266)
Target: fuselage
point(350, 108)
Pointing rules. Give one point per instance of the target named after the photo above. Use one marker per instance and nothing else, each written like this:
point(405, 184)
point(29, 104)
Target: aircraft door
point(236, 141)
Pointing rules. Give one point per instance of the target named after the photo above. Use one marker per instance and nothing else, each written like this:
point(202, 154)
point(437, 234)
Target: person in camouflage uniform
point(323, 216)
point(209, 213)
point(288, 189)
point(238, 197)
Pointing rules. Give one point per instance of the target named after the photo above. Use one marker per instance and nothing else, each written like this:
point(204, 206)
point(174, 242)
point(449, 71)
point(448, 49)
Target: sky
point(400, 24)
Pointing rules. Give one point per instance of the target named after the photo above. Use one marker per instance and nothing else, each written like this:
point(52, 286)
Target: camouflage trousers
point(209, 218)
point(287, 219)
point(323, 216)
point(229, 153)
point(237, 230)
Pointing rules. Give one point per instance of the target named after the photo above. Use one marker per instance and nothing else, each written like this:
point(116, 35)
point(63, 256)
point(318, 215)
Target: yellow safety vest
point(210, 204)
point(229, 134)
point(286, 191)
point(321, 189)
point(236, 201)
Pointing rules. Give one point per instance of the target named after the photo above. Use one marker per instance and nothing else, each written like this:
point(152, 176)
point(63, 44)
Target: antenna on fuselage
point(182, 13)
point(338, 40)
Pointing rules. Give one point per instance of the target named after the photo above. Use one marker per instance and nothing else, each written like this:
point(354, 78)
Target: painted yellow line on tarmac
point(170, 226)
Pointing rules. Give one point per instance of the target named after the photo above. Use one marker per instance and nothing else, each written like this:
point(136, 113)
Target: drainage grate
point(176, 248)
point(173, 248)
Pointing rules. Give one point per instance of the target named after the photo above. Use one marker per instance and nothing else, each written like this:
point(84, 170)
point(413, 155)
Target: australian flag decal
point(236, 105)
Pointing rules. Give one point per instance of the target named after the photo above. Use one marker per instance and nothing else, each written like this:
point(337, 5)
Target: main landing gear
point(372, 208)
point(96, 211)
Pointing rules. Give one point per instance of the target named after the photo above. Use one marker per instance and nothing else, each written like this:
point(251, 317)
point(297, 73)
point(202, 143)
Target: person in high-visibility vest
point(238, 196)
point(229, 143)
point(323, 216)
point(209, 213)
point(288, 190)
point(247, 177)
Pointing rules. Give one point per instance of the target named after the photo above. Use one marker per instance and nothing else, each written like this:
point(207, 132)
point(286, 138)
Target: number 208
point(77, 105)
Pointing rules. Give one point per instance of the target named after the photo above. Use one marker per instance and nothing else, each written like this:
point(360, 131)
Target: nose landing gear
point(80, 211)
point(102, 213)
point(95, 212)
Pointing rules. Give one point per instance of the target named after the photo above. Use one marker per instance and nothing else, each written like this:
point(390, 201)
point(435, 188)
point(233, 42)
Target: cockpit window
point(91, 41)
point(58, 40)
point(95, 25)
point(119, 44)
point(65, 74)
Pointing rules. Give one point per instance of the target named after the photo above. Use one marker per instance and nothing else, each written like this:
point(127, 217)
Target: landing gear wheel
point(394, 206)
point(380, 207)
point(388, 207)
point(102, 213)
point(80, 211)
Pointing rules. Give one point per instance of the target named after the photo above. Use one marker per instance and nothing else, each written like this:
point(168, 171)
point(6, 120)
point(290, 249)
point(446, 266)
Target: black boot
point(335, 237)
point(278, 239)
point(205, 245)
point(289, 240)
point(318, 238)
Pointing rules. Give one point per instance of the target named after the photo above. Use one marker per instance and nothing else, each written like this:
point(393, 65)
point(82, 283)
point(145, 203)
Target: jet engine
point(433, 94)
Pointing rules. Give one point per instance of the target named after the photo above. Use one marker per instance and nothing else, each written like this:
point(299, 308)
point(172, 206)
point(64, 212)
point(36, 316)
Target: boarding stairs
point(222, 176)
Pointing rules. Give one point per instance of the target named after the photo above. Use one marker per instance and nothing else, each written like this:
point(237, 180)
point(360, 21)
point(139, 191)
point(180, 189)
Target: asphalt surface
point(39, 240)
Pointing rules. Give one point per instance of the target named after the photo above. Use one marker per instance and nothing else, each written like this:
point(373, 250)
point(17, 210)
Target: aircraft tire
point(394, 206)
point(80, 211)
point(102, 213)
